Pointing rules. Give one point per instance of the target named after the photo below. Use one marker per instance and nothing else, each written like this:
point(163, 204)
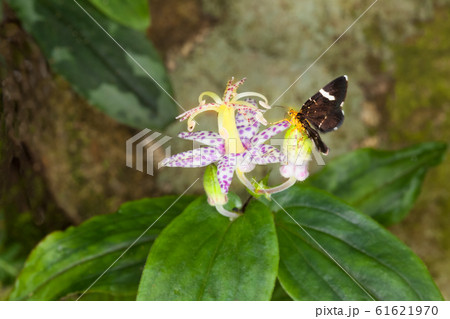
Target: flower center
point(228, 130)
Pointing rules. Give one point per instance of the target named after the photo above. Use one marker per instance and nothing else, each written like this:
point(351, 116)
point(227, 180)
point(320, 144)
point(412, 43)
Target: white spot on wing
point(346, 77)
point(327, 95)
point(320, 125)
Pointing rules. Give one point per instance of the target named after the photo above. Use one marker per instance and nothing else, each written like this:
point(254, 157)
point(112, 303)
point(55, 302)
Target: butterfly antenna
point(281, 106)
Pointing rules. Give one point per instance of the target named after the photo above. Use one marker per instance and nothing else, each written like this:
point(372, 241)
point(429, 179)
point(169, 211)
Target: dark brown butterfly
point(323, 111)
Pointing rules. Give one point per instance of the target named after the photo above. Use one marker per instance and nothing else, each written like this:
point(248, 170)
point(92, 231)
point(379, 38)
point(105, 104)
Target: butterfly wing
point(312, 134)
point(324, 109)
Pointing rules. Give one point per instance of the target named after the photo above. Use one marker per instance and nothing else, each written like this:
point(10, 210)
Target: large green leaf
point(201, 255)
point(131, 13)
point(66, 263)
point(78, 49)
point(279, 294)
point(372, 258)
point(382, 184)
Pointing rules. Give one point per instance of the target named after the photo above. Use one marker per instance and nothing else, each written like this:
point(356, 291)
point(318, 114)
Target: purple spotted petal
point(245, 162)
point(206, 137)
point(225, 171)
point(247, 127)
point(198, 157)
point(242, 119)
point(263, 154)
point(269, 132)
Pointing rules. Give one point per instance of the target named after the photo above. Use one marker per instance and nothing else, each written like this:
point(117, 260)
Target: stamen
point(230, 91)
point(244, 105)
point(260, 118)
point(212, 95)
point(264, 104)
point(200, 109)
point(246, 94)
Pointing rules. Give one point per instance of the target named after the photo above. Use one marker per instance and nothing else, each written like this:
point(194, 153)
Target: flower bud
point(212, 187)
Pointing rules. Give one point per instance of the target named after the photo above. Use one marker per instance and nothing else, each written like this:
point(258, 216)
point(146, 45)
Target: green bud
point(212, 187)
point(297, 146)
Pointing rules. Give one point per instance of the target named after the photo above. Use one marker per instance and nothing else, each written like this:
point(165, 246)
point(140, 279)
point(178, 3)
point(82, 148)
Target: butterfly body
point(322, 112)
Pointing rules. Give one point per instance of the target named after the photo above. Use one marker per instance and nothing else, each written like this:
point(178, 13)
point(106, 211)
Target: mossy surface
point(419, 110)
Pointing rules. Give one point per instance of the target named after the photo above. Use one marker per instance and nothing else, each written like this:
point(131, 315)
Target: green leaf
point(382, 184)
point(131, 13)
point(11, 262)
point(78, 49)
point(279, 294)
point(201, 255)
point(66, 263)
point(375, 264)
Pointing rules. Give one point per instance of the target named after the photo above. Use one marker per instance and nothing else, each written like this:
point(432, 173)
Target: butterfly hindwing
point(324, 109)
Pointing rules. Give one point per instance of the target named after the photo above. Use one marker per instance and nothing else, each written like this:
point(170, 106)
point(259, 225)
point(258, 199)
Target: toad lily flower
point(237, 147)
point(297, 148)
point(226, 106)
point(229, 157)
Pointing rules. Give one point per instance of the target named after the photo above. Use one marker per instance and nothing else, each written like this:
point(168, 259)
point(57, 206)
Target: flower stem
point(291, 181)
point(244, 180)
point(227, 213)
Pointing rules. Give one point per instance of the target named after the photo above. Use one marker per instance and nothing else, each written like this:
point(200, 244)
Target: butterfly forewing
point(324, 109)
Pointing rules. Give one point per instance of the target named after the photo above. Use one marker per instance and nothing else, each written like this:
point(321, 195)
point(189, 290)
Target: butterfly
point(322, 112)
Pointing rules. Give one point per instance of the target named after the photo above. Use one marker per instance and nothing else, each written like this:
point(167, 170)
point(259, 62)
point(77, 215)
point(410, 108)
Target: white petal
point(301, 172)
point(287, 170)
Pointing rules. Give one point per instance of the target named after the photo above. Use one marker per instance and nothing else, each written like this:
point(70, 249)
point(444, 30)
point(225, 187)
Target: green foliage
point(10, 257)
point(382, 184)
point(383, 266)
point(65, 263)
point(131, 13)
point(319, 247)
point(10, 262)
point(78, 49)
point(279, 294)
point(204, 256)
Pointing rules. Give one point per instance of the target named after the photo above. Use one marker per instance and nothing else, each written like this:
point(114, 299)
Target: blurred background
point(71, 97)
